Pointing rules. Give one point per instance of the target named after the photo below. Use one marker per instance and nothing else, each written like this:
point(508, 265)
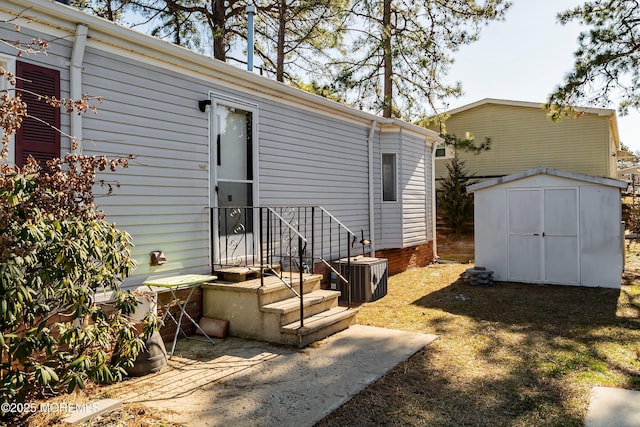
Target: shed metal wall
point(600, 238)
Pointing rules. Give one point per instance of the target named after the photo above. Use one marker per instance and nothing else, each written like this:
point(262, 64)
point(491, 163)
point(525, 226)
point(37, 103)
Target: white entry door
point(232, 155)
point(543, 235)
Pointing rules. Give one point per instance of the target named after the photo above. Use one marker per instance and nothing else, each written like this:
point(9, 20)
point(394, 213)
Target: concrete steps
point(270, 311)
point(318, 326)
point(314, 302)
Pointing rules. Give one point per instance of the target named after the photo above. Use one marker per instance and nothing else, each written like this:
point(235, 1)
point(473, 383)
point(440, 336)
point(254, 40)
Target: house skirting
point(401, 259)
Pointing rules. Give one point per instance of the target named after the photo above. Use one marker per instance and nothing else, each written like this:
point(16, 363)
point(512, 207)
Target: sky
point(523, 58)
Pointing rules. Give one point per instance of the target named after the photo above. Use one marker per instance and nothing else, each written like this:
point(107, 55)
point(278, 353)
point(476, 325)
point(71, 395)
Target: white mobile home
point(206, 135)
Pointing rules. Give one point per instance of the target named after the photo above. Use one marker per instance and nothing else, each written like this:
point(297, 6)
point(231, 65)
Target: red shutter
point(34, 138)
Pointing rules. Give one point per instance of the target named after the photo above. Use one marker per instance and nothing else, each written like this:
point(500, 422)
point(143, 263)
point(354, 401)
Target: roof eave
point(526, 104)
point(66, 18)
point(547, 171)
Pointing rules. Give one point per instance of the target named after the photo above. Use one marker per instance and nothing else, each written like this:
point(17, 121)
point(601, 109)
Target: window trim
point(8, 62)
point(395, 176)
point(449, 152)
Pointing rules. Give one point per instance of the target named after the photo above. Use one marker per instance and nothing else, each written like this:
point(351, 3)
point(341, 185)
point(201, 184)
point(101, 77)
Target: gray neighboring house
point(205, 134)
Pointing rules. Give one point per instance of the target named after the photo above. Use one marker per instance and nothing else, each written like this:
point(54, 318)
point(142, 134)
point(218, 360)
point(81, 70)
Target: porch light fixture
point(203, 104)
point(158, 258)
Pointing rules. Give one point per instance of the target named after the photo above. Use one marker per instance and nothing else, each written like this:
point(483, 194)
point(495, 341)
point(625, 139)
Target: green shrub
point(455, 205)
point(57, 252)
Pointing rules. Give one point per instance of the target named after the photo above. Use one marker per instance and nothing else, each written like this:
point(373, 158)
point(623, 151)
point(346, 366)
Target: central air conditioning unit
point(368, 278)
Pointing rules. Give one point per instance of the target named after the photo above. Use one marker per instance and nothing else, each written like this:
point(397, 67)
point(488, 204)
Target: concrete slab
point(91, 410)
point(613, 407)
point(250, 383)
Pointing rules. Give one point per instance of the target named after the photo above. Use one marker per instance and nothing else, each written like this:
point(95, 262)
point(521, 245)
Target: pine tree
point(401, 52)
point(455, 204)
point(607, 59)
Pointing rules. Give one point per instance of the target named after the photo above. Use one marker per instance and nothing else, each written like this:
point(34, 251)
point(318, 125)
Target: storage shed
point(549, 226)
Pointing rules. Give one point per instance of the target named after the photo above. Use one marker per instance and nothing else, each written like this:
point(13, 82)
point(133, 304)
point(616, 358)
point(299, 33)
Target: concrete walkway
point(613, 407)
point(250, 383)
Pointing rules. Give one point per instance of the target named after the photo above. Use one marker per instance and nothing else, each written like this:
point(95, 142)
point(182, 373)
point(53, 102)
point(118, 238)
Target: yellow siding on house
point(523, 138)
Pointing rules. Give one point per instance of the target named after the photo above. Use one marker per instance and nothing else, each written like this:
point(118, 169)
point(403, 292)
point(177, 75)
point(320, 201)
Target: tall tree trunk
point(388, 59)
point(282, 12)
point(110, 15)
point(219, 16)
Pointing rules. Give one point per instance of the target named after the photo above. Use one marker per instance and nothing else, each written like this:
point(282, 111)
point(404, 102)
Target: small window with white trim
point(389, 177)
point(444, 152)
point(8, 65)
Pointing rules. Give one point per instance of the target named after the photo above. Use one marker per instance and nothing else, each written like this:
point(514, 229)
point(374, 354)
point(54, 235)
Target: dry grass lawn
point(508, 355)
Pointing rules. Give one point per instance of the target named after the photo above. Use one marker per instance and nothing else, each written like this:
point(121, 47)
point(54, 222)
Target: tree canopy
point(108, 9)
point(294, 38)
point(402, 51)
point(607, 61)
point(388, 56)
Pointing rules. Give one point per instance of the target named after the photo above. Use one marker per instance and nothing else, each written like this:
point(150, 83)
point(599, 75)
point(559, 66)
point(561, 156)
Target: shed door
point(525, 226)
point(543, 235)
point(560, 236)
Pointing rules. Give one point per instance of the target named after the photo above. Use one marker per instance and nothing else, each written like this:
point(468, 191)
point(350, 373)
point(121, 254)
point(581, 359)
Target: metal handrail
point(337, 221)
point(301, 251)
point(347, 280)
point(235, 231)
point(272, 210)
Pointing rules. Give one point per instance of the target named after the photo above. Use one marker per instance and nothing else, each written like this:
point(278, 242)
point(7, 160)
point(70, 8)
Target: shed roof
point(547, 171)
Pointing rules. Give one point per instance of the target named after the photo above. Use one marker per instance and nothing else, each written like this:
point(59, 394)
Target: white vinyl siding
point(304, 159)
point(416, 164)
point(311, 159)
point(407, 223)
point(305, 155)
point(391, 213)
point(163, 196)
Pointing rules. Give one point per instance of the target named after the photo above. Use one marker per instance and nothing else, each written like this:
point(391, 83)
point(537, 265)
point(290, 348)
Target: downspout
point(75, 80)
point(434, 219)
point(372, 213)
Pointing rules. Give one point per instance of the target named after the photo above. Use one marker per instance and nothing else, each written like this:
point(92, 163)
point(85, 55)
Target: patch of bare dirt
point(632, 260)
point(456, 248)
